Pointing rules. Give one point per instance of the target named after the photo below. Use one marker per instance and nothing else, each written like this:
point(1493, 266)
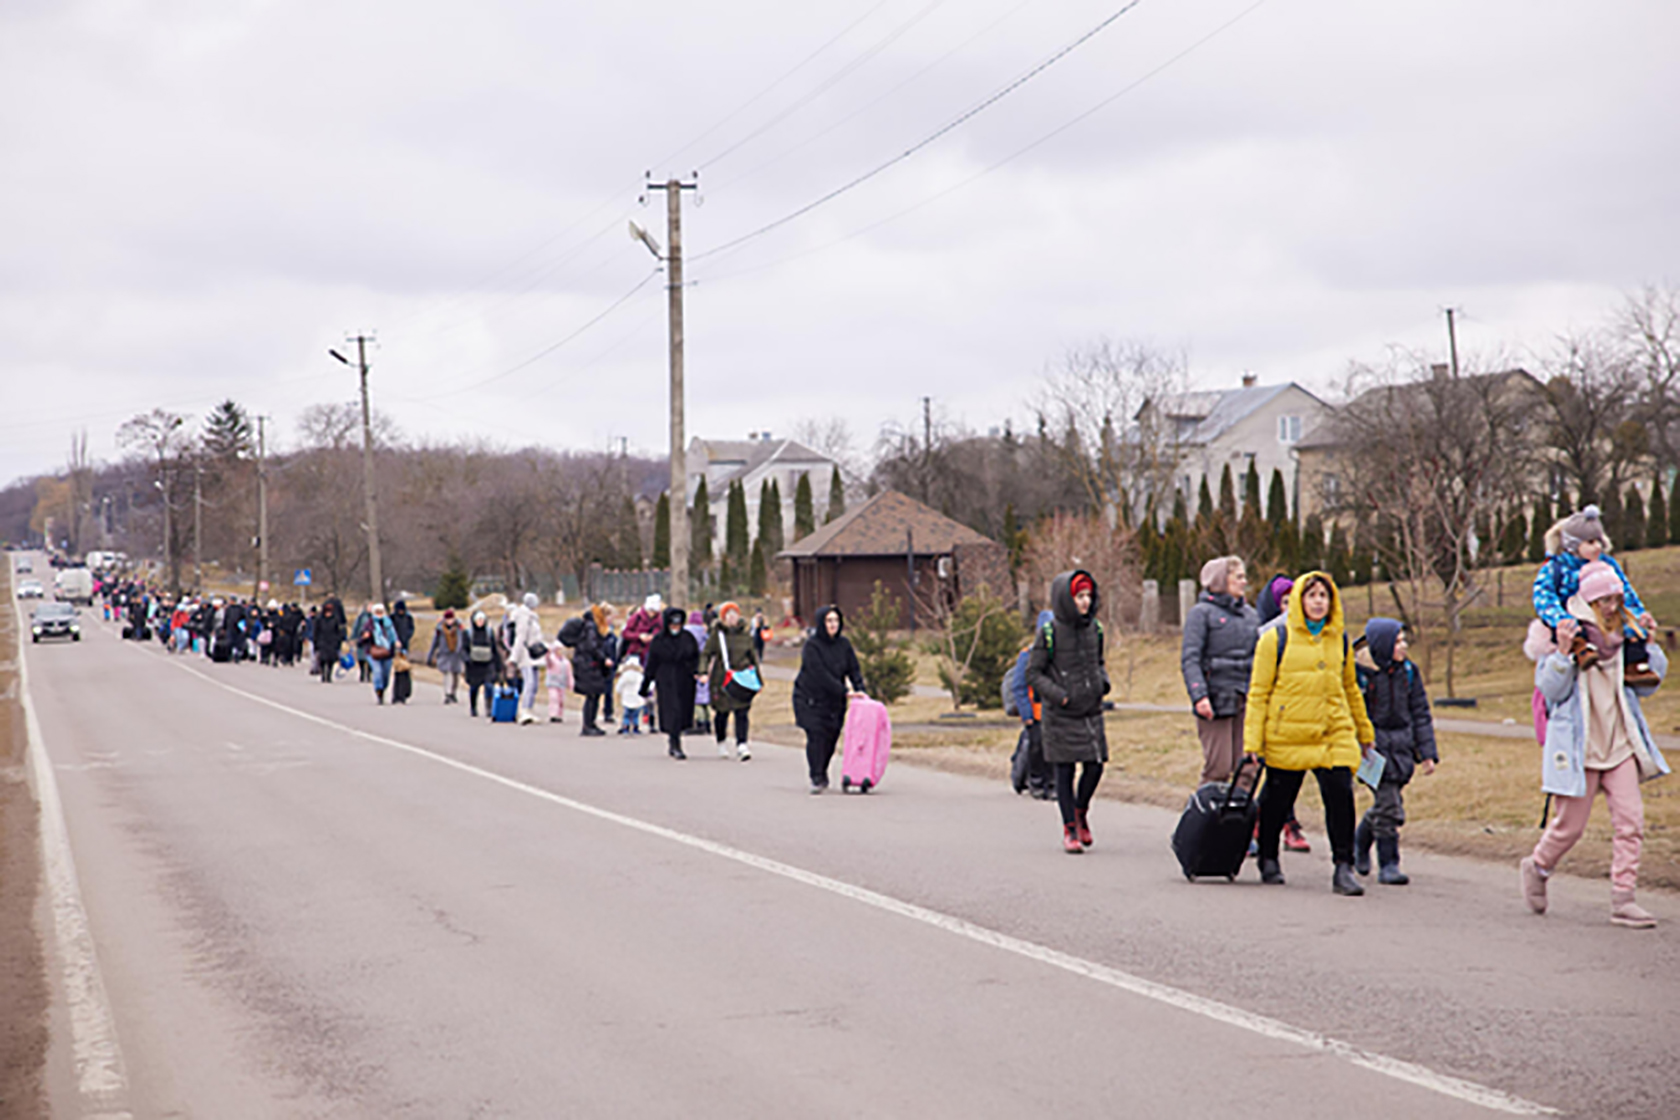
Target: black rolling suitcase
point(1213, 834)
point(221, 649)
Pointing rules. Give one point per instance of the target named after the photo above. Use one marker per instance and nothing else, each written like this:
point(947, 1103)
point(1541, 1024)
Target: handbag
point(740, 687)
point(536, 650)
point(380, 653)
point(265, 637)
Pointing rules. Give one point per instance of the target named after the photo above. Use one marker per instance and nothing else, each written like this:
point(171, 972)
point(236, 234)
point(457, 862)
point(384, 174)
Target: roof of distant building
point(884, 526)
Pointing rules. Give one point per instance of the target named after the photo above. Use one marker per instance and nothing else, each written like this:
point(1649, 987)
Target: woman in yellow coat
point(1305, 712)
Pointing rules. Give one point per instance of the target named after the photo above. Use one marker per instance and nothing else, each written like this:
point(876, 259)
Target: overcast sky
point(202, 196)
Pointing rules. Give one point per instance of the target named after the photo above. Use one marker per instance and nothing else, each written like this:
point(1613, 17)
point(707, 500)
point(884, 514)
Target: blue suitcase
point(504, 704)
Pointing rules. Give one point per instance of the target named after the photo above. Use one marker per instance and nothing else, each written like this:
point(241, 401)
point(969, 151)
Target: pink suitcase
point(867, 744)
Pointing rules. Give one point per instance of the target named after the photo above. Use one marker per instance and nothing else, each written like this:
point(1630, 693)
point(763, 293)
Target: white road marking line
point(101, 1081)
point(1410, 1072)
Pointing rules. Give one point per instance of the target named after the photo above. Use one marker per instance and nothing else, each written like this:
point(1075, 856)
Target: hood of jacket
point(1061, 599)
point(672, 618)
point(1333, 625)
point(1267, 603)
point(1381, 634)
point(820, 631)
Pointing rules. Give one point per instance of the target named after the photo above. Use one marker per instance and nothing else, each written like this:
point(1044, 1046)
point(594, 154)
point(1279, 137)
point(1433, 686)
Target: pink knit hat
point(1599, 581)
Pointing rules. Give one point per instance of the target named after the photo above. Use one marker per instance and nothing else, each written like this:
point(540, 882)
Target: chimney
point(1439, 369)
point(1249, 380)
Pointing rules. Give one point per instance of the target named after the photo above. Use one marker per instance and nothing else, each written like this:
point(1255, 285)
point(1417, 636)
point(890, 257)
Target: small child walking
point(1572, 544)
point(1398, 707)
point(558, 667)
point(629, 686)
point(1596, 739)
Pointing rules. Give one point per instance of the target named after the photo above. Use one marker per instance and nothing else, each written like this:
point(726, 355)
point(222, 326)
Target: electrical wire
point(808, 141)
point(1010, 158)
point(829, 83)
point(949, 126)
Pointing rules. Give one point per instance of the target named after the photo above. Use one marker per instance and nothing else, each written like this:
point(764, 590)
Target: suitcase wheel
point(1231, 878)
point(866, 785)
point(846, 785)
point(1189, 878)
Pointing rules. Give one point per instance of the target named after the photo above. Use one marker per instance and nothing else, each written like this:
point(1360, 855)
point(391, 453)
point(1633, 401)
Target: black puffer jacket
point(1397, 703)
point(1218, 653)
point(592, 659)
point(828, 669)
point(1066, 672)
point(673, 660)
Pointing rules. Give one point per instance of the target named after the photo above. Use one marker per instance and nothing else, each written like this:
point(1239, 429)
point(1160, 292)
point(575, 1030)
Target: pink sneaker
point(1624, 911)
point(1533, 885)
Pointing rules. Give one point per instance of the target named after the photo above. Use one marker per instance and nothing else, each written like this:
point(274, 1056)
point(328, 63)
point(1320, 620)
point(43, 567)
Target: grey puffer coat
point(1218, 653)
point(1066, 672)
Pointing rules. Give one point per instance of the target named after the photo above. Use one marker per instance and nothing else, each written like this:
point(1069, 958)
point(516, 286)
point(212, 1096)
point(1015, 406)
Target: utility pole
point(1452, 340)
point(376, 573)
point(927, 449)
point(673, 189)
point(198, 522)
point(262, 504)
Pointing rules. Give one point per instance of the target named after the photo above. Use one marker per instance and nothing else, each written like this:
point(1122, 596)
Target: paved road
point(308, 906)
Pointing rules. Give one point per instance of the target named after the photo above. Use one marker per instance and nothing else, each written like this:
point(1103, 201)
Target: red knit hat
point(1081, 582)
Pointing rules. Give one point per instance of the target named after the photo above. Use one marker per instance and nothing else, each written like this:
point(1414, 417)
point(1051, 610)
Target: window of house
point(1289, 429)
point(1332, 489)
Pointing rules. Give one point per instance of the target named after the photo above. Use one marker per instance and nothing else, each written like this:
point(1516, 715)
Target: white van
point(74, 585)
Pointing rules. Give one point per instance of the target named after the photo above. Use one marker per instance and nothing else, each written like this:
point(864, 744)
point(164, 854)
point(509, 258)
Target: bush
point(454, 588)
point(887, 669)
point(980, 644)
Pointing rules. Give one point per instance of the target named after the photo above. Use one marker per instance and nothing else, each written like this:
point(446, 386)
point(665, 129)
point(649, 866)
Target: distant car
point(54, 620)
point(25, 564)
point(30, 589)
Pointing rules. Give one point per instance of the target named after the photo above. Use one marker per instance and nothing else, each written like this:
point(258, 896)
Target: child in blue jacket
point(1399, 709)
point(1571, 545)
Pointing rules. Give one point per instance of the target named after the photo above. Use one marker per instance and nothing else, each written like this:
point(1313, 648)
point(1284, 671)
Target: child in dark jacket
point(1399, 709)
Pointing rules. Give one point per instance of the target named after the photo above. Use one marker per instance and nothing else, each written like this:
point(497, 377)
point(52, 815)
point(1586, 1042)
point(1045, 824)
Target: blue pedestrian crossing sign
point(302, 578)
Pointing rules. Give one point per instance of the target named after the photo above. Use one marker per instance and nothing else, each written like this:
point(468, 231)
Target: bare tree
point(1590, 390)
point(1107, 410)
point(1648, 330)
point(159, 435)
point(1432, 454)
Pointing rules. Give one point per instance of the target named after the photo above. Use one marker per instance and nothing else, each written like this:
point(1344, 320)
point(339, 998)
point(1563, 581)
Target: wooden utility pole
point(376, 573)
point(198, 522)
point(262, 504)
point(1452, 340)
point(673, 189)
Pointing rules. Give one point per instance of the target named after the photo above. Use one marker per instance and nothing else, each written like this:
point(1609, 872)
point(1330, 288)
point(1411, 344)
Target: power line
point(1010, 158)
point(943, 130)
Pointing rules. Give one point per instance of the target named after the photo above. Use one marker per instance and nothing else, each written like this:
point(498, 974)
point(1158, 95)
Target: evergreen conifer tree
point(1515, 541)
point(735, 528)
point(1564, 508)
point(700, 528)
point(1312, 544)
point(757, 577)
point(836, 497)
point(804, 509)
point(1656, 516)
point(1633, 520)
point(1612, 513)
point(1338, 560)
point(454, 587)
point(1538, 522)
point(662, 533)
point(1227, 496)
point(629, 543)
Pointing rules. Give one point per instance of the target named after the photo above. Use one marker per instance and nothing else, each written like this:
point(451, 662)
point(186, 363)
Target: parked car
point(54, 620)
point(30, 589)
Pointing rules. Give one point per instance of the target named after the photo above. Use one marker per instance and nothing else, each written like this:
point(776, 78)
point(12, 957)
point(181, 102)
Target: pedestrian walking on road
point(1065, 670)
point(672, 665)
point(402, 675)
point(485, 659)
point(730, 649)
point(1217, 659)
point(557, 670)
point(1031, 773)
point(1305, 712)
point(361, 633)
point(528, 652)
point(592, 663)
point(829, 675)
point(448, 655)
point(1597, 738)
point(382, 649)
point(328, 638)
point(1398, 707)
point(1273, 609)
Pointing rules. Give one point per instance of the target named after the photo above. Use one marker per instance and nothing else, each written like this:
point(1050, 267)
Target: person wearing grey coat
point(1218, 654)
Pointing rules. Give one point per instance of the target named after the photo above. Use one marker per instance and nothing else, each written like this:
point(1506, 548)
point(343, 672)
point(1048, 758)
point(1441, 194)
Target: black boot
point(1362, 848)
point(1343, 882)
point(1271, 873)
point(1388, 862)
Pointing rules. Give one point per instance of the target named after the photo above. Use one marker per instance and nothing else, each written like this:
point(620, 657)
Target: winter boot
point(1362, 849)
point(1082, 827)
point(1294, 840)
point(1624, 911)
point(1533, 885)
point(1388, 862)
point(1070, 840)
point(1270, 873)
point(1343, 882)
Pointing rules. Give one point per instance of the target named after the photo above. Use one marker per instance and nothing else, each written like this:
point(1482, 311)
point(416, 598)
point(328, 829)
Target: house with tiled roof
point(753, 462)
point(1213, 429)
point(917, 553)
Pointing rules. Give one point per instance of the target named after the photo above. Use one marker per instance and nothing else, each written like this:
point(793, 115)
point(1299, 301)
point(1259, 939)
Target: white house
point(753, 462)
point(1256, 423)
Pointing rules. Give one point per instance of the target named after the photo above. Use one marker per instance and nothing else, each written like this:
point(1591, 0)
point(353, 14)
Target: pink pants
point(1627, 823)
point(556, 703)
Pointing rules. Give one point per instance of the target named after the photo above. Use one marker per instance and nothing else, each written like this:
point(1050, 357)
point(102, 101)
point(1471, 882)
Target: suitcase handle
point(1231, 787)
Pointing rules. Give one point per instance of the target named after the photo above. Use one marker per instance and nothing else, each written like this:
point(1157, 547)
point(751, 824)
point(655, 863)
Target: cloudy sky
point(202, 196)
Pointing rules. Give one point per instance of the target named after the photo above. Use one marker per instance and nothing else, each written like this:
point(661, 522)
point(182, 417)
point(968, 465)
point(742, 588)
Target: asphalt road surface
point(307, 906)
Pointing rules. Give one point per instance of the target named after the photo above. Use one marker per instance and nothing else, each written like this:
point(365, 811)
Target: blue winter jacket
point(1560, 577)
point(1563, 768)
point(1023, 694)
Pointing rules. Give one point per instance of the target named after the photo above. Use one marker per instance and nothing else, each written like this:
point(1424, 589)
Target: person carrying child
point(1398, 707)
point(1596, 739)
point(1571, 544)
point(629, 687)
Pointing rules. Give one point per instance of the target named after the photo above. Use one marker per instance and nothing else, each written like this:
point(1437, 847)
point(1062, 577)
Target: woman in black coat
point(484, 656)
point(829, 675)
point(673, 662)
point(592, 665)
point(329, 635)
point(1066, 673)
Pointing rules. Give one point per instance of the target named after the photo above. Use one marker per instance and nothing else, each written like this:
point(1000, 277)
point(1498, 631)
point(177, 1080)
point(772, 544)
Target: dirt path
point(23, 985)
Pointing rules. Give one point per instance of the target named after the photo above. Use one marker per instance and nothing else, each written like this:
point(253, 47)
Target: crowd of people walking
point(1280, 688)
